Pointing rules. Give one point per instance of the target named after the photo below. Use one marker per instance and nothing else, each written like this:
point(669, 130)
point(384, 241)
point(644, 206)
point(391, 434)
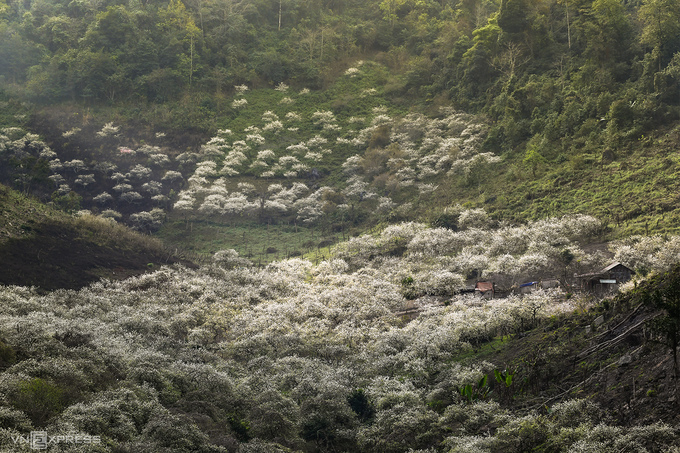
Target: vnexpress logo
point(40, 440)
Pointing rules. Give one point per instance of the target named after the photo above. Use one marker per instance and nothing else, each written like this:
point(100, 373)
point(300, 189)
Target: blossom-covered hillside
point(302, 357)
point(284, 157)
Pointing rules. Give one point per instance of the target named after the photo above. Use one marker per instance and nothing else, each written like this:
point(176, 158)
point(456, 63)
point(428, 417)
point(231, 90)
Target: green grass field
point(259, 243)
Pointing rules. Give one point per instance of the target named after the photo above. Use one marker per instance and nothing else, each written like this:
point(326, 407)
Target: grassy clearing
point(20, 214)
point(260, 243)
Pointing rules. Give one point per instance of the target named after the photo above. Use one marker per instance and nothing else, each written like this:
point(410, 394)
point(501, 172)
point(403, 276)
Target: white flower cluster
point(240, 89)
point(508, 254)
point(325, 119)
point(108, 130)
point(293, 116)
point(239, 103)
point(352, 72)
point(71, 132)
point(648, 253)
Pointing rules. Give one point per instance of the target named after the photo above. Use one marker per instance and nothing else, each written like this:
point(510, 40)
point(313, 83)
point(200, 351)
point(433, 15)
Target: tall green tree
point(179, 27)
point(390, 9)
point(661, 28)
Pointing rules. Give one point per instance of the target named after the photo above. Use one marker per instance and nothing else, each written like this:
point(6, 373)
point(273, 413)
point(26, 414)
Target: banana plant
point(504, 377)
point(476, 392)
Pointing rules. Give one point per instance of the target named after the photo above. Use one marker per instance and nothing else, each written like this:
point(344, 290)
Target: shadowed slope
point(42, 247)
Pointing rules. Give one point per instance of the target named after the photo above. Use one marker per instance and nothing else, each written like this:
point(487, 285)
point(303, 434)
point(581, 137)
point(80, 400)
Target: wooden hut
point(606, 280)
point(485, 289)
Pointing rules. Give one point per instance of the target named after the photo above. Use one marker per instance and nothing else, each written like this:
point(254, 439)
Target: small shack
point(606, 280)
point(529, 287)
point(526, 288)
point(484, 290)
point(550, 284)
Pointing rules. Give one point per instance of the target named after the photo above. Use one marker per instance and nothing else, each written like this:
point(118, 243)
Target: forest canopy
point(564, 74)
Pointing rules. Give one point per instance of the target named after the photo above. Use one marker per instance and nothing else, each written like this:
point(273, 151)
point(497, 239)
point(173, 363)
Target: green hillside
point(373, 163)
point(577, 104)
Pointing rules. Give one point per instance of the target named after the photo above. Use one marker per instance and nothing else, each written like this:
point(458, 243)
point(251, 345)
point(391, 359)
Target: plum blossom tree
point(130, 197)
point(185, 203)
point(147, 221)
point(56, 179)
point(108, 130)
point(119, 177)
point(103, 198)
point(75, 165)
point(140, 172)
point(152, 187)
point(239, 103)
point(159, 160)
point(122, 188)
point(172, 176)
point(213, 205)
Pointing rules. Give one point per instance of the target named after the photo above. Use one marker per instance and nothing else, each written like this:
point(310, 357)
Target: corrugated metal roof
point(604, 271)
point(612, 266)
point(484, 286)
